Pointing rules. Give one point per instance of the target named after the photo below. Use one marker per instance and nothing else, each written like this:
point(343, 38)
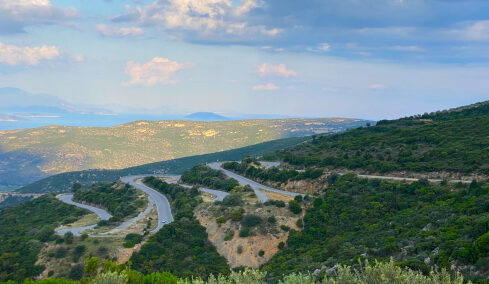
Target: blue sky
point(357, 58)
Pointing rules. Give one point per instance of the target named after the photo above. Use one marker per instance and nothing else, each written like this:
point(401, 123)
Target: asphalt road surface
point(257, 187)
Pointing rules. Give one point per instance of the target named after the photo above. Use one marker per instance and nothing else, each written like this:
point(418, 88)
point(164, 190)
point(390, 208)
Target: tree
point(295, 207)
point(69, 237)
point(91, 267)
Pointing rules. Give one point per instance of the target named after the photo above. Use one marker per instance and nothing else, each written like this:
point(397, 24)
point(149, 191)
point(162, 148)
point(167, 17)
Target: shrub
point(272, 220)
point(76, 272)
point(69, 237)
point(300, 223)
point(229, 235)
point(163, 277)
point(112, 278)
point(285, 228)
point(134, 238)
point(78, 252)
point(221, 220)
point(232, 200)
point(237, 215)
point(60, 253)
point(261, 253)
point(281, 245)
point(251, 221)
point(240, 249)
point(91, 267)
point(245, 232)
point(295, 207)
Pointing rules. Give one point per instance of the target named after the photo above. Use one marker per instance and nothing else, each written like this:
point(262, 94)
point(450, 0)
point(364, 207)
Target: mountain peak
point(205, 116)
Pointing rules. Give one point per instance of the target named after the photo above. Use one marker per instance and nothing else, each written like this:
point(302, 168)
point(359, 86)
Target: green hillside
point(420, 226)
point(28, 155)
point(63, 182)
point(455, 141)
point(25, 228)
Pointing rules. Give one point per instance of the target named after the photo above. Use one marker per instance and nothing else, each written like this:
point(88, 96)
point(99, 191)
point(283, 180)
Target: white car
point(163, 221)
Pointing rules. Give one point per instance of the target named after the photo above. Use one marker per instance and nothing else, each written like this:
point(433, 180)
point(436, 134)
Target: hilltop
point(453, 143)
point(31, 154)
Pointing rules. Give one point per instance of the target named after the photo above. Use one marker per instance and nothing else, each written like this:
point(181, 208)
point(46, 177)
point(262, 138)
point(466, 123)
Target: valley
point(28, 155)
point(295, 214)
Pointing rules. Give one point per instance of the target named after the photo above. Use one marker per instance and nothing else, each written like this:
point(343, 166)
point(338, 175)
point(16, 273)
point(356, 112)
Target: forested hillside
point(23, 231)
point(181, 247)
point(454, 142)
point(421, 226)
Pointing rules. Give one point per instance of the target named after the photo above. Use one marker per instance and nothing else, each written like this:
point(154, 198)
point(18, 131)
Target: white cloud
point(275, 70)
point(378, 86)
point(157, 71)
point(16, 14)
point(14, 55)
point(119, 32)
point(206, 17)
point(477, 31)
point(266, 87)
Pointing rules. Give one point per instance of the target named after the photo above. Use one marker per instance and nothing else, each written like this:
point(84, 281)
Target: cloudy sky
point(311, 58)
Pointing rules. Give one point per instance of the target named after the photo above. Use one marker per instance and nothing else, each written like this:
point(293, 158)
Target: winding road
point(257, 187)
point(102, 214)
point(157, 199)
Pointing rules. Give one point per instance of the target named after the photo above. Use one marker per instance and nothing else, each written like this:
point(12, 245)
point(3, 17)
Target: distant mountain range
point(31, 154)
point(20, 109)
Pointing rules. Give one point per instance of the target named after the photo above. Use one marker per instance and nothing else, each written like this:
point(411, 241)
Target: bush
point(251, 221)
point(295, 207)
point(240, 249)
point(229, 235)
point(60, 253)
point(272, 220)
point(221, 220)
point(300, 223)
point(78, 252)
point(261, 253)
point(245, 232)
point(285, 228)
point(278, 203)
point(68, 237)
point(237, 215)
point(76, 272)
point(232, 200)
point(281, 245)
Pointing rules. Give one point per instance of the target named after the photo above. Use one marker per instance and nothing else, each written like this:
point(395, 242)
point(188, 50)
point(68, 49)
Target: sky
point(371, 59)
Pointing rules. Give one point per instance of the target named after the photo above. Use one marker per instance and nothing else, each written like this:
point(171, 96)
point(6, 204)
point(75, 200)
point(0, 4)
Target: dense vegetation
point(381, 273)
point(202, 175)
point(58, 149)
point(422, 226)
point(121, 200)
point(180, 247)
point(251, 168)
point(63, 182)
point(12, 200)
point(455, 141)
point(23, 230)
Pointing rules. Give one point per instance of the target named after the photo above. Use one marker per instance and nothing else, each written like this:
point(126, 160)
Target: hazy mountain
point(205, 116)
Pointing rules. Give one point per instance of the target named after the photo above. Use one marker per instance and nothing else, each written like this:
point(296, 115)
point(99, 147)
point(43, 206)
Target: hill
point(443, 144)
point(31, 154)
point(205, 116)
point(63, 182)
